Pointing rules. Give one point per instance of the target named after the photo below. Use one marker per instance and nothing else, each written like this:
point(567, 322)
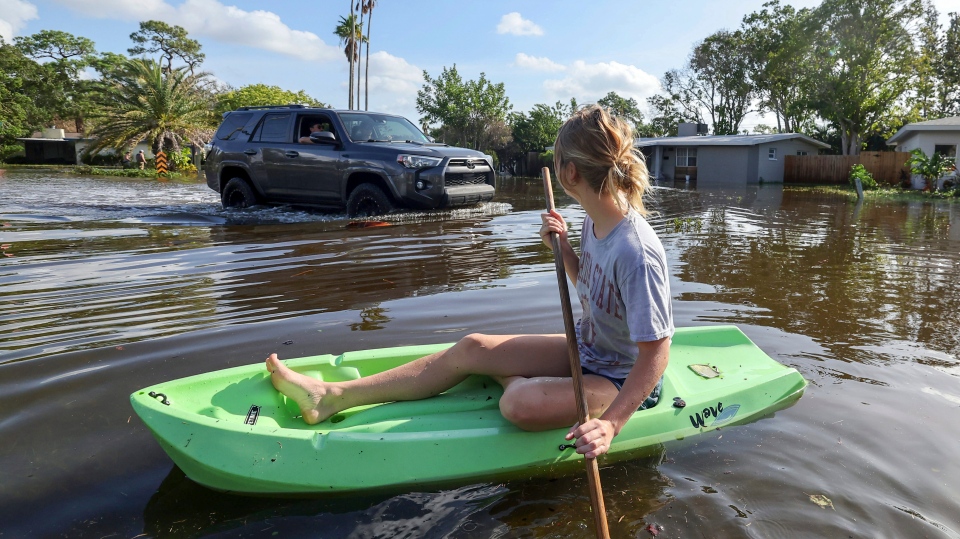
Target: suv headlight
point(418, 161)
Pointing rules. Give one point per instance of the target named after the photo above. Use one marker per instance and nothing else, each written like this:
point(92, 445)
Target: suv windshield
point(365, 127)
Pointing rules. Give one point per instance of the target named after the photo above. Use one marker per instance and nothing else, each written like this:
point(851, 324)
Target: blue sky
point(542, 51)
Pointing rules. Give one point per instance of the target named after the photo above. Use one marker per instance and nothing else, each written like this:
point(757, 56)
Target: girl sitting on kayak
point(623, 336)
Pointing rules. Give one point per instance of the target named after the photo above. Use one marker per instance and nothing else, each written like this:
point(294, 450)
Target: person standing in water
point(623, 336)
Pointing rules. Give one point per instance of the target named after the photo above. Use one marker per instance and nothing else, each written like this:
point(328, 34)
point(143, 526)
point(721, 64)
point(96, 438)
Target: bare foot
point(311, 395)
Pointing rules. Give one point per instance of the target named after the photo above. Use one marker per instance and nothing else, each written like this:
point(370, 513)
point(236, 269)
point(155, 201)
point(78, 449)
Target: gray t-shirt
point(624, 289)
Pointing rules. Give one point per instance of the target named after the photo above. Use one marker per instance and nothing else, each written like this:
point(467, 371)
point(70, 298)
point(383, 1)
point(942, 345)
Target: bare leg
point(549, 402)
point(500, 356)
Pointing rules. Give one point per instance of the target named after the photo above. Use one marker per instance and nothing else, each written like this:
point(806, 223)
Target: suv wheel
point(238, 194)
point(368, 200)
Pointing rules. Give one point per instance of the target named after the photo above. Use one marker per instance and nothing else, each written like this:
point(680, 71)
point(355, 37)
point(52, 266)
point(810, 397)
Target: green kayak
point(230, 430)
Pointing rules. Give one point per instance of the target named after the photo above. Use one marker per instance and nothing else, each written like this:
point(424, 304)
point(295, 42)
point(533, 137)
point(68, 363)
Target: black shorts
point(649, 402)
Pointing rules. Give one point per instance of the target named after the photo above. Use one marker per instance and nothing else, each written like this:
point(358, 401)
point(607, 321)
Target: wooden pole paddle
point(593, 471)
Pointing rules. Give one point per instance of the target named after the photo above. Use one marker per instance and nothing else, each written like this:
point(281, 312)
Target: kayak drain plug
point(154, 394)
point(678, 402)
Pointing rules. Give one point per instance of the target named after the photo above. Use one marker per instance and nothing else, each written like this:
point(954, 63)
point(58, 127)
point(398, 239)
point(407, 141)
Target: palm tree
point(142, 101)
point(359, 8)
point(368, 9)
point(350, 35)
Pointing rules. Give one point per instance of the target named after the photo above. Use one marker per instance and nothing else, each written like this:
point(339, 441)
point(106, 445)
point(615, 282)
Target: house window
point(946, 150)
point(686, 157)
point(801, 152)
point(772, 154)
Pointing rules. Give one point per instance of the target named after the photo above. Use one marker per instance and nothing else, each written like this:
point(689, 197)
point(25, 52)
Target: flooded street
point(108, 285)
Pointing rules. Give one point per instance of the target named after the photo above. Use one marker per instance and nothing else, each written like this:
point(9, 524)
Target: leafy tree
point(714, 83)
point(146, 102)
point(58, 91)
point(862, 51)
point(535, 131)
point(464, 110)
point(720, 64)
point(925, 67)
point(668, 114)
point(261, 94)
point(170, 41)
point(351, 36)
point(18, 112)
point(625, 108)
point(779, 49)
point(948, 70)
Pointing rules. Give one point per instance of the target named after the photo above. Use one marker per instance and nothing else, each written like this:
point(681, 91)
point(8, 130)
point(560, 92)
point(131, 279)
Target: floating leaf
point(822, 501)
point(653, 530)
point(705, 371)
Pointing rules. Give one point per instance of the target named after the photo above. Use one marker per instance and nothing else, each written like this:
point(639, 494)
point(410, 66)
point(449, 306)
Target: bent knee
point(474, 342)
point(522, 409)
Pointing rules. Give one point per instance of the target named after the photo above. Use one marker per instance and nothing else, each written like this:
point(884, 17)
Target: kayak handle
point(567, 446)
point(154, 394)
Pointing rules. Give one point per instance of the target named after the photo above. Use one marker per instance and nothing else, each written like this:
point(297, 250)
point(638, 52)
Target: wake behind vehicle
point(366, 163)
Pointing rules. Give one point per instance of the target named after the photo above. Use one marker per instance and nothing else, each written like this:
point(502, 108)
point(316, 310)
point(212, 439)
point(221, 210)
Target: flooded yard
point(109, 285)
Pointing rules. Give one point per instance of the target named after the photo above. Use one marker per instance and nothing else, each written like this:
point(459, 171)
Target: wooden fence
point(886, 167)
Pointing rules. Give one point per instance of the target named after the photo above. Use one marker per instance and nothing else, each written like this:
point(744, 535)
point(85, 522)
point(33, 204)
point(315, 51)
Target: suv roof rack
point(290, 106)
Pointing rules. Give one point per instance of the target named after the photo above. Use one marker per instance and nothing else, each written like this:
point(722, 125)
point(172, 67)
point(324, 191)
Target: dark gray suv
point(364, 162)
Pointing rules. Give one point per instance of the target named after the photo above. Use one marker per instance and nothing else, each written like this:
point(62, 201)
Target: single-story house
point(54, 146)
point(51, 146)
point(933, 136)
point(725, 159)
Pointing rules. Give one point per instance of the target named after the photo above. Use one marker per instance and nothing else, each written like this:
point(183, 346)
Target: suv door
point(315, 171)
point(273, 140)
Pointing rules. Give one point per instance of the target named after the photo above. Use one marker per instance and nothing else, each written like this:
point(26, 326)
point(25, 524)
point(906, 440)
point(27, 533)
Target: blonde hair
point(600, 145)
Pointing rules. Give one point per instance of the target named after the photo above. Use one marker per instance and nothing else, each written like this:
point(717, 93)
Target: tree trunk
point(359, 51)
point(366, 83)
point(352, 46)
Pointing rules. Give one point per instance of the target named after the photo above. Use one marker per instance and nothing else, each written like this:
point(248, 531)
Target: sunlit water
point(110, 285)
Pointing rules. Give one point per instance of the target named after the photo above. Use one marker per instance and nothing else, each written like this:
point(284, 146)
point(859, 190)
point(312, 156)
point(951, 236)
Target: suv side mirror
point(323, 137)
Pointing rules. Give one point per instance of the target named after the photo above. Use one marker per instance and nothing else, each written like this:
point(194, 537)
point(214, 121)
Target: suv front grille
point(473, 178)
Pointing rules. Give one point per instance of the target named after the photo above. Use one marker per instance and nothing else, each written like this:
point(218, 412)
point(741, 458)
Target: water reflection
point(813, 264)
point(546, 507)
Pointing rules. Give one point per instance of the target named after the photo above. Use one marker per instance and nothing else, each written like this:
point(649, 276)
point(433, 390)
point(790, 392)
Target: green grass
point(88, 170)
point(882, 193)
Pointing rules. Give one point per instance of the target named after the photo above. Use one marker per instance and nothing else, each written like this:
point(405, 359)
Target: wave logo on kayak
point(720, 415)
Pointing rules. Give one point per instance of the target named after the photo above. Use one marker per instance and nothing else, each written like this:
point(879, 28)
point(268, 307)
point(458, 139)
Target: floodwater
point(109, 285)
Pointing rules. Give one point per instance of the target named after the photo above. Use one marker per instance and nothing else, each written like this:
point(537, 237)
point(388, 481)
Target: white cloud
point(394, 83)
point(535, 63)
point(212, 19)
point(590, 82)
point(513, 23)
point(14, 14)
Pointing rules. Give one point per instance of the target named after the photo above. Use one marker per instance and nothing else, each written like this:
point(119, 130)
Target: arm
point(553, 222)
point(595, 436)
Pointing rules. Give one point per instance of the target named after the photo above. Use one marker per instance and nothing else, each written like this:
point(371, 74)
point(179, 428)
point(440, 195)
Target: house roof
point(950, 123)
point(38, 135)
point(726, 140)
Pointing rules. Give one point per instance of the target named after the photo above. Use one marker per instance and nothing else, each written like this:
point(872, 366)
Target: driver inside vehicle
point(314, 127)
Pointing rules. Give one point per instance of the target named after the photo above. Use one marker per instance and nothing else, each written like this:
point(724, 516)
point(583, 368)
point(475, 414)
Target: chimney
point(686, 130)
point(53, 133)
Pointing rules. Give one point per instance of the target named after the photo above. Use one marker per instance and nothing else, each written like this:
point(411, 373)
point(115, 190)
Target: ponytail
point(601, 147)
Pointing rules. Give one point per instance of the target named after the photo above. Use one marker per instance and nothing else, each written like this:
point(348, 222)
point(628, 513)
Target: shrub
point(930, 168)
point(866, 179)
